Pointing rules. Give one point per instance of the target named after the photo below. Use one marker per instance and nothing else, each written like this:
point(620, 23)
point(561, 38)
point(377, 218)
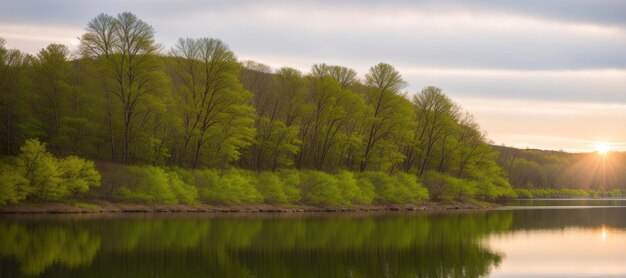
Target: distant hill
point(532, 168)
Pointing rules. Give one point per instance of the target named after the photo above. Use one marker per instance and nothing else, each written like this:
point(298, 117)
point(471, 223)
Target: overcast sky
point(542, 74)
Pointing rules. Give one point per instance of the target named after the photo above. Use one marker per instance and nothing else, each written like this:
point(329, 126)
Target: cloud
point(32, 38)
point(571, 126)
point(593, 85)
point(549, 74)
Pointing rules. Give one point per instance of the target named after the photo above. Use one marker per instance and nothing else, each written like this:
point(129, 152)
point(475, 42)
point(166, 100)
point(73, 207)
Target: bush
point(320, 188)
point(291, 180)
point(229, 188)
point(40, 168)
point(544, 193)
point(185, 193)
point(568, 192)
point(351, 191)
point(40, 175)
point(400, 188)
point(523, 193)
point(271, 187)
point(148, 184)
point(446, 188)
point(494, 188)
point(12, 185)
point(78, 174)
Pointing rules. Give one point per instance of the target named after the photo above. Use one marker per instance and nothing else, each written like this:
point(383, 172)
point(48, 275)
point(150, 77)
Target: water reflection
point(38, 247)
point(312, 246)
point(503, 243)
point(571, 252)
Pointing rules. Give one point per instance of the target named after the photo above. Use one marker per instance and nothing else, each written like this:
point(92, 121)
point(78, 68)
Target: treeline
point(125, 99)
point(547, 172)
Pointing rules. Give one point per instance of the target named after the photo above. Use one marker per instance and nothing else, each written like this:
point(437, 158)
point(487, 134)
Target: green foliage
point(572, 192)
point(41, 170)
point(13, 186)
point(400, 188)
point(228, 187)
point(150, 184)
point(198, 106)
point(352, 191)
point(320, 188)
point(523, 193)
point(215, 116)
point(78, 174)
point(291, 180)
point(271, 187)
point(184, 192)
point(390, 123)
point(447, 188)
point(38, 175)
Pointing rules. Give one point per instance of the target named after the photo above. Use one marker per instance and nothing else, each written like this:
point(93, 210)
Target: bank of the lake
point(113, 207)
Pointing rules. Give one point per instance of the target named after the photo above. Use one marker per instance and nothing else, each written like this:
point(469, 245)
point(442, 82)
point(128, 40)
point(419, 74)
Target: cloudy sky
point(541, 74)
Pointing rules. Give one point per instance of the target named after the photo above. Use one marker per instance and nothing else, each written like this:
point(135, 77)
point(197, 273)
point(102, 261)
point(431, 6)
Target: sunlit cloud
point(571, 126)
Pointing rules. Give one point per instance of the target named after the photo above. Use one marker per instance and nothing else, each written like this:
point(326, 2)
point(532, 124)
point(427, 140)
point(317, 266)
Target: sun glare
point(602, 148)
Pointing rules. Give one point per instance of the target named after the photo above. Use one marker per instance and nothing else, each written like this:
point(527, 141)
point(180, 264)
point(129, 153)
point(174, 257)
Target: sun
point(602, 148)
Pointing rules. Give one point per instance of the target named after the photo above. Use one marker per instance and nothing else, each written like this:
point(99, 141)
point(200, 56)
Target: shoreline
point(99, 207)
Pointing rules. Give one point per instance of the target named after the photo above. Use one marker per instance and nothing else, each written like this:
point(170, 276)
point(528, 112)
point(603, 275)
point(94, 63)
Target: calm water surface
point(540, 238)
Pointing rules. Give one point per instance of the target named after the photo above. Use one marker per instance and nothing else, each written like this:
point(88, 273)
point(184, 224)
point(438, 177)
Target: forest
point(125, 118)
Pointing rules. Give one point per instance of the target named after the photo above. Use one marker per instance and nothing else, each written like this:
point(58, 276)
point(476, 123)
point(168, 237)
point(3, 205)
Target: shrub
point(12, 185)
point(271, 187)
point(40, 168)
point(523, 193)
point(569, 192)
point(350, 190)
point(185, 193)
point(232, 187)
point(493, 188)
point(39, 175)
point(544, 193)
point(447, 188)
point(290, 180)
point(78, 174)
point(410, 187)
point(148, 184)
point(400, 188)
point(320, 188)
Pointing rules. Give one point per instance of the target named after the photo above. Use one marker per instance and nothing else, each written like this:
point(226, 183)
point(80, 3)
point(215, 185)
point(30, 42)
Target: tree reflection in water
point(393, 245)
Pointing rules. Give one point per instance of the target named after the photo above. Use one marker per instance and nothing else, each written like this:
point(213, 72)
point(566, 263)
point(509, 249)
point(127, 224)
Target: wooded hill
point(125, 99)
point(530, 168)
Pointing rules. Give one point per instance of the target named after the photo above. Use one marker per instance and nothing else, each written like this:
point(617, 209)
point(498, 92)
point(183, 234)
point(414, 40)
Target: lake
point(538, 238)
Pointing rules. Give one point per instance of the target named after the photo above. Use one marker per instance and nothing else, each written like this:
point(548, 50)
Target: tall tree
point(279, 116)
point(126, 48)
point(51, 83)
point(390, 121)
point(436, 114)
point(330, 127)
point(17, 123)
point(216, 115)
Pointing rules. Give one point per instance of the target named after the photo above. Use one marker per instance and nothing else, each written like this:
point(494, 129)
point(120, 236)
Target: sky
point(547, 74)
